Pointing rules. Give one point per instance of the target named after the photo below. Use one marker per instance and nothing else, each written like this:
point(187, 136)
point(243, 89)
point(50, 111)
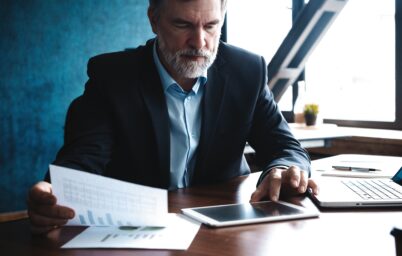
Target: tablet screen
point(233, 214)
point(247, 211)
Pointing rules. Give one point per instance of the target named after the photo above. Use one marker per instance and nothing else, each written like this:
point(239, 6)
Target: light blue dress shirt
point(185, 113)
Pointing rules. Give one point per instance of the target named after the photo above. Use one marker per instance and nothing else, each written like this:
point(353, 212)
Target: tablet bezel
point(305, 213)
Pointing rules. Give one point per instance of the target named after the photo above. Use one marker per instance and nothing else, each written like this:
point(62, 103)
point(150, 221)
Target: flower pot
point(310, 119)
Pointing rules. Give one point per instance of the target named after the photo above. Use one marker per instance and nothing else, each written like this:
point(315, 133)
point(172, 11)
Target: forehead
point(192, 10)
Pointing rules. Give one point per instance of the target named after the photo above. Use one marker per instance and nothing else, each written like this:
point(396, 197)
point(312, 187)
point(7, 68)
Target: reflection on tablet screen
point(247, 211)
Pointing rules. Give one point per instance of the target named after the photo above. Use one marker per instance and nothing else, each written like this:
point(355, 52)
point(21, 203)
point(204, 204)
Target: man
point(175, 113)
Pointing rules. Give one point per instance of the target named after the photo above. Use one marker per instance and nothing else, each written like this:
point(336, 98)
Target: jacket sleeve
point(271, 136)
point(88, 137)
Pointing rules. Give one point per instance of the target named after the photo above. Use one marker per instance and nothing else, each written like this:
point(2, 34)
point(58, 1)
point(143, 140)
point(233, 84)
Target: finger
point(42, 230)
point(274, 184)
point(292, 176)
point(314, 186)
point(269, 187)
point(260, 192)
point(303, 182)
point(42, 193)
point(44, 221)
point(51, 211)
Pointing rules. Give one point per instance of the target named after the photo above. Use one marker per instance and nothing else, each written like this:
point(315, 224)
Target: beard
point(185, 67)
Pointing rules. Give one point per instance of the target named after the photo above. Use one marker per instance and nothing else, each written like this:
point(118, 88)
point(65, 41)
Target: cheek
point(212, 42)
point(176, 41)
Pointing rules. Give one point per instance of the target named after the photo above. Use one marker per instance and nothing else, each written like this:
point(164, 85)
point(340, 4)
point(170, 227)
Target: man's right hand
point(44, 213)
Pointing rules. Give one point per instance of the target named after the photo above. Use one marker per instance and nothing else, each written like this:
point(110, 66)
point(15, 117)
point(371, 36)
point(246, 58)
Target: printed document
point(102, 201)
point(177, 235)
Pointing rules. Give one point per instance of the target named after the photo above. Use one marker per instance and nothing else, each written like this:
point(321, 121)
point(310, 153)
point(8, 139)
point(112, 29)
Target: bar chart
point(102, 201)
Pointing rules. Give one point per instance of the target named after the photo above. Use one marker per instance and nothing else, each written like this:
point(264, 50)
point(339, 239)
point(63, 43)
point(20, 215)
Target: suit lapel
point(213, 99)
point(156, 103)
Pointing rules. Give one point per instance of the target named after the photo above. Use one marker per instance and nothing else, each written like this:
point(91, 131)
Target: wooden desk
point(329, 139)
point(363, 141)
point(317, 136)
point(312, 136)
point(357, 232)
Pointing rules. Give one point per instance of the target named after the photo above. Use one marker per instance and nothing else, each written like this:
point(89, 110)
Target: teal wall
point(44, 48)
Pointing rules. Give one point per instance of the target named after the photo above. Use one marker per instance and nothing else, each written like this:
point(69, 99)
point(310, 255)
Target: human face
point(188, 35)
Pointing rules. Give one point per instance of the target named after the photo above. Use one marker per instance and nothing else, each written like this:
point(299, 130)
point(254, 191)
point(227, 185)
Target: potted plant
point(310, 112)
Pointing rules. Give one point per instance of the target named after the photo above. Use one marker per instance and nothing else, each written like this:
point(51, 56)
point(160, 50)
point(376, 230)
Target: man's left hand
point(291, 181)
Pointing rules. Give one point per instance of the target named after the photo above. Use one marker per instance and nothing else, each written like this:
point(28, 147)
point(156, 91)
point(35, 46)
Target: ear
point(152, 19)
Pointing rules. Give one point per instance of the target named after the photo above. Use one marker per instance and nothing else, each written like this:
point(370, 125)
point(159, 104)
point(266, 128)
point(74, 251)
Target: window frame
point(397, 124)
point(297, 5)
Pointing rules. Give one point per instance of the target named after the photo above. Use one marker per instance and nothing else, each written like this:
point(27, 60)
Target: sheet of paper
point(102, 201)
point(355, 174)
point(388, 165)
point(177, 235)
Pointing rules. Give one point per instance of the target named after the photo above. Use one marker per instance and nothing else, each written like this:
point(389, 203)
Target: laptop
point(360, 192)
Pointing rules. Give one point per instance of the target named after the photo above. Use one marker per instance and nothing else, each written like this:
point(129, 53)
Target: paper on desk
point(102, 201)
point(355, 174)
point(388, 165)
point(177, 235)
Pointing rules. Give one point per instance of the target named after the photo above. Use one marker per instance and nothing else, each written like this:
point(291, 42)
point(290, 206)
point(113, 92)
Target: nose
point(198, 40)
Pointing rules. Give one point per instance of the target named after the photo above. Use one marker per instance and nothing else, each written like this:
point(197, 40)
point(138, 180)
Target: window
point(351, 73)
point(260, 26)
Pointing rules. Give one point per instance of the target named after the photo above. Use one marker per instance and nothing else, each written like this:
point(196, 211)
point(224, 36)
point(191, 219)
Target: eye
point(181, 24)
point(211, 26)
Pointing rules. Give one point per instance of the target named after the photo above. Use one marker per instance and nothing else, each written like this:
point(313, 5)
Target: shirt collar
point(167, 80)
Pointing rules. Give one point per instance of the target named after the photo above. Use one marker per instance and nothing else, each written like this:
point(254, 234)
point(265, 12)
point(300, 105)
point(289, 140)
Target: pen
point(351, 168)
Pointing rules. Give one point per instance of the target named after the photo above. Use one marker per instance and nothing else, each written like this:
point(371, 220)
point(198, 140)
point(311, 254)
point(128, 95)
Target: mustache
point(195, 53)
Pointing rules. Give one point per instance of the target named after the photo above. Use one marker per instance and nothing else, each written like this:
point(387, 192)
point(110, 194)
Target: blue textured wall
point(44, 48)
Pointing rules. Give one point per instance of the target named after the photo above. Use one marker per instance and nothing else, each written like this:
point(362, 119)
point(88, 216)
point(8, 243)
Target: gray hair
point(156, 5)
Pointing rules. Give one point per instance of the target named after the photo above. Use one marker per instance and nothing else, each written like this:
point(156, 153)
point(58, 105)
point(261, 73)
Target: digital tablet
point(247, 213)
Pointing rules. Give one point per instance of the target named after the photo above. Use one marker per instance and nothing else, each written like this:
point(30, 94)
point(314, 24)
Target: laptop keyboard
point(374, 189)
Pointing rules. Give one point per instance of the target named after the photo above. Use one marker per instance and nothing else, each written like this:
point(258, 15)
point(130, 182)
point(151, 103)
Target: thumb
point(258, 194)
point(255, 196)
point(42, 192)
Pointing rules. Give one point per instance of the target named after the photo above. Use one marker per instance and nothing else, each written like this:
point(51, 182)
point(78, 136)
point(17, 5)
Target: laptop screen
point(398, 177)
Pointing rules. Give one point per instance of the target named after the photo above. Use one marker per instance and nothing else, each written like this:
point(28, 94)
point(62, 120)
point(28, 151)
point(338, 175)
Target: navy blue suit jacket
point(119, 127)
